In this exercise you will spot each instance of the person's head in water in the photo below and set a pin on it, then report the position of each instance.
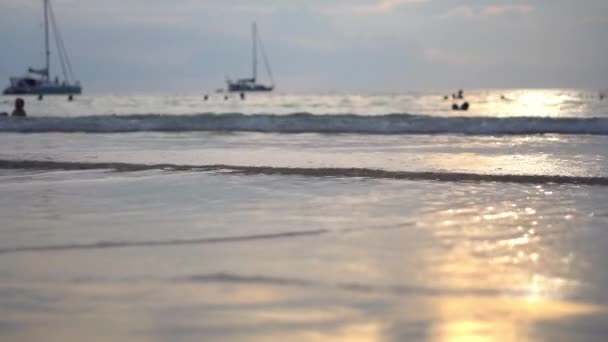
(19, 107)
(19, 103)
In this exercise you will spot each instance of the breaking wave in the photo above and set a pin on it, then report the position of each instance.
(438, 176)
(308, 123)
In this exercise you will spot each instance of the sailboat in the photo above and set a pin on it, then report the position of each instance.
(38, 81)
(250, 84)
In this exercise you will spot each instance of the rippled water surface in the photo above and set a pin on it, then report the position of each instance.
(523, 102)
(266, 236)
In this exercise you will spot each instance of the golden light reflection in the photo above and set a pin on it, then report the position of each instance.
(264, 306)
(498, 319)
(496, 248)
(514, 164)
(232, 295)
(537, 102)
(530, 103)
(262, 312)
(357, 332)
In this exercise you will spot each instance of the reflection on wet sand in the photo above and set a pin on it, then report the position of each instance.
(242, 308)
(396, 262)
(500, 246)
(498, 319)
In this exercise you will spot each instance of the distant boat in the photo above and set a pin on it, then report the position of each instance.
(250, 84)
(38, 81)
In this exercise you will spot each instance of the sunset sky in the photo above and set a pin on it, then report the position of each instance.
(318, 45)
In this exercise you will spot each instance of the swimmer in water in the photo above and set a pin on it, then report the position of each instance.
(19, 108)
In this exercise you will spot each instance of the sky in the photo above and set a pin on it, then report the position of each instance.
(317, 45)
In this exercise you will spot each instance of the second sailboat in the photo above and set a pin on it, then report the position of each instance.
(250, 84)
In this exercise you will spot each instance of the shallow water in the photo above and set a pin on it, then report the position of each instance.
(241, 236)
(172, 255)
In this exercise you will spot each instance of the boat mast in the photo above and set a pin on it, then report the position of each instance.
(254, 33)
(46, 40)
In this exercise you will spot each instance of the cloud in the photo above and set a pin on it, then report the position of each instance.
(378, 6)
(468, 11)
(385, 6)
(255, 8)
(498, 10)
(460, 11)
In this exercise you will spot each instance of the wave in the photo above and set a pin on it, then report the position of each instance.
(192, 241)
(438, 176)
(127, 244)
(399, 290)
(308, 123)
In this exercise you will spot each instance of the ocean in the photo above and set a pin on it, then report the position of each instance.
(306, 217)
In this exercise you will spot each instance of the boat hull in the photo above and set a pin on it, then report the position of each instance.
(44, 90)
(246, 88)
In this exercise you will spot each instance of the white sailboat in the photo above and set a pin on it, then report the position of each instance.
(250, 84)
(38, 81)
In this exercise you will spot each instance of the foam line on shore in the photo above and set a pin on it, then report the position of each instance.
(438, 176)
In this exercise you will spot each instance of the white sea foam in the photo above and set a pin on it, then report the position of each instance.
(308, 172)
(309, 123)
